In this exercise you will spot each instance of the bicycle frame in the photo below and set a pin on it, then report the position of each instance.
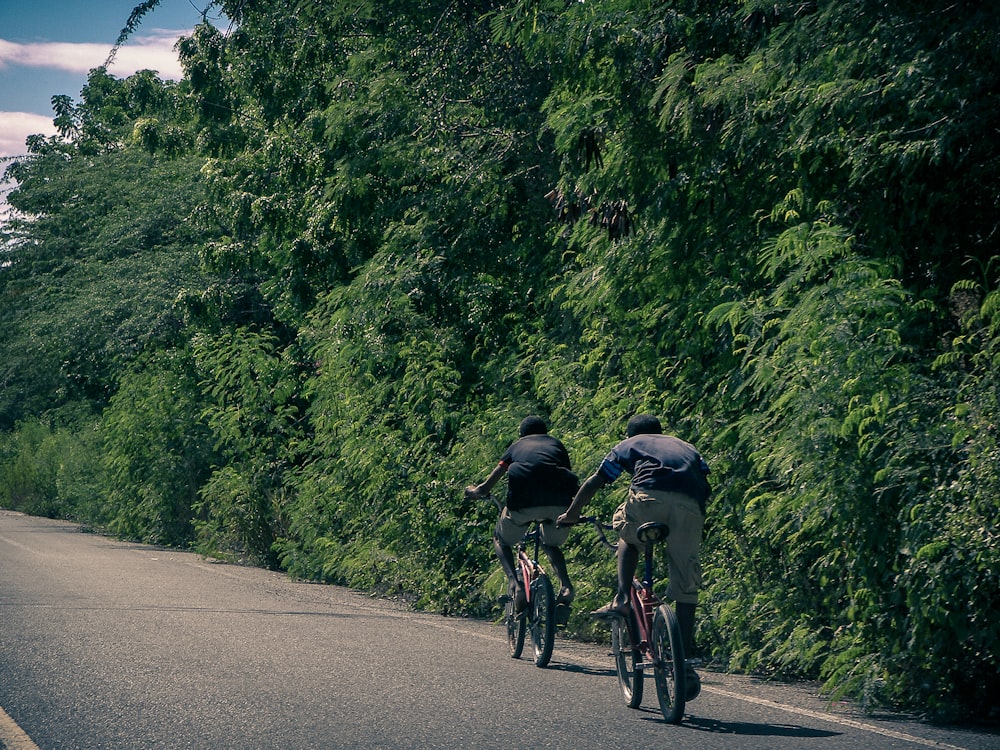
(644, 603)
(530, 567)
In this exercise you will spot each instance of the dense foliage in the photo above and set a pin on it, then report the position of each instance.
(284, 310)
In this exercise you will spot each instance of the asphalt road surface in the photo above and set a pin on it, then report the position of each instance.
(106, 644)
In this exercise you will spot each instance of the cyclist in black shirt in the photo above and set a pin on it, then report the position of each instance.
(540, 486)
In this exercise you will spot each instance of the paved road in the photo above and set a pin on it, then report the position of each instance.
(105, 644)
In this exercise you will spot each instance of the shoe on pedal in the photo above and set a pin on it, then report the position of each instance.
(562, 615)
(692, 683)
(610, 612)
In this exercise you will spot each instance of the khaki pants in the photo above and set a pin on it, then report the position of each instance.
(512, 525)
(683, 515)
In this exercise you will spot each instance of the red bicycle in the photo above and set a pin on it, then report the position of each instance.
(649, 636)
(539, 616)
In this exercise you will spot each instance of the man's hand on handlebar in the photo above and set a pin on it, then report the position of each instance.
(476, 492)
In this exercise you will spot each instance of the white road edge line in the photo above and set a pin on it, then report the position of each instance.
(12, 737)
(860, 725)
(819, 715)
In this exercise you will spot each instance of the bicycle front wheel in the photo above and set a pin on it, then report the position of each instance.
(668, 663)
(628, 661)
(516, 625)
(543, 619)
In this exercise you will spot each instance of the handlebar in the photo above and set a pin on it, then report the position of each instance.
(599, 527)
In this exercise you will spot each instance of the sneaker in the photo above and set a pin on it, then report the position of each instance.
(609, 612)
(692, 683)
(519, 597)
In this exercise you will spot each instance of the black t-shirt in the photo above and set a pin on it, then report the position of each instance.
(538, 473)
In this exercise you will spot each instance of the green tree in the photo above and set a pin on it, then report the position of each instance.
(103, 240)
(253, 417)
(51, 467)
(158, 450)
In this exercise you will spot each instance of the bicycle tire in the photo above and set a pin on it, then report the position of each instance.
(543, 619)
(516, 626)
(628, 660)
(667, 649)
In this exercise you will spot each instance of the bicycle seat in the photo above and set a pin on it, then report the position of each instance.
(652, 532)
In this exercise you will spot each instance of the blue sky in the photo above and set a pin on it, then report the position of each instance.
(47, 47)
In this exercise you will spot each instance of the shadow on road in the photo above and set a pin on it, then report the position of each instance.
(580, 669)
(749, 729)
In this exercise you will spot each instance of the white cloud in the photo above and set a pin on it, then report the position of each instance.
(154, 51)
(151, 52)
(15, 127)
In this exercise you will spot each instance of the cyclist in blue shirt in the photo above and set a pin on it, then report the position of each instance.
(669, 485)
(540, 485)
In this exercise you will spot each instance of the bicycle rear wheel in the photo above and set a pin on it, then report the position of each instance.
(668, 663)
(516, 625)
(627, 662)
(543, 619)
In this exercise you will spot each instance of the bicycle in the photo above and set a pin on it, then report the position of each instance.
(650, 635)
(539, 615)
